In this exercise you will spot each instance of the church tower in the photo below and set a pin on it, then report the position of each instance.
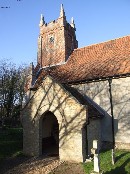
(56, 41)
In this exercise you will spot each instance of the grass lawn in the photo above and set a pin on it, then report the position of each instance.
(10, 142)
(122, 165)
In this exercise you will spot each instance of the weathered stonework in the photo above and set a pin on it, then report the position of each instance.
(56, 41)
(99, 92)
(68, 93)
(71, 116)
(94, 133)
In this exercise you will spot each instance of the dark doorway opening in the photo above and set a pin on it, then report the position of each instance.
(50, 135)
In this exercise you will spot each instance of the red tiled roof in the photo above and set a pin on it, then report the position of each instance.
(101, 60)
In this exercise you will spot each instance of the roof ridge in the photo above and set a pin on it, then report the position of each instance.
(77, 49)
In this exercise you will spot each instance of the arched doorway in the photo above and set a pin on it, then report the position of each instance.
(50, 134)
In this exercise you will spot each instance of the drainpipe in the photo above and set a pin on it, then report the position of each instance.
(112, 121)
(87, 123)
(86, 132)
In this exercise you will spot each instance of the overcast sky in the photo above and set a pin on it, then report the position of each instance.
(96, 21)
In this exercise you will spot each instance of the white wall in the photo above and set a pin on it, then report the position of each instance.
(99, 92)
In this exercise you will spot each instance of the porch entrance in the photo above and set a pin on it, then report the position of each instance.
(50, 135)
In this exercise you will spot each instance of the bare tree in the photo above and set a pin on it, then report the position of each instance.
(12, 81)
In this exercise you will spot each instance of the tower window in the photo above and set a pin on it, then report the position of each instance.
(52, 39)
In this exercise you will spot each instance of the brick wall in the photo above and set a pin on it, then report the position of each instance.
(56, 42)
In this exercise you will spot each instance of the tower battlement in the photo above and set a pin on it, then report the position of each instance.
(56, 40)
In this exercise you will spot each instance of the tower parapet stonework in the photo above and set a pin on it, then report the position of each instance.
(56, 41)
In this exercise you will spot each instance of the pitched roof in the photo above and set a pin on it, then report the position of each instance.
(107, 59)
(94, 110)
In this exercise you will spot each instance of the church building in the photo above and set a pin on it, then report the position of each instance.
(76, 95)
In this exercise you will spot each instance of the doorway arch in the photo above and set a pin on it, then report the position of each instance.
(50, 134)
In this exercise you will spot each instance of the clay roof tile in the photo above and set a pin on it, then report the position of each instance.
(105, 59)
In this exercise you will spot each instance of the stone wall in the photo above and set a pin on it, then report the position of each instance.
(93, 133)
(71, 116)
(99, 92)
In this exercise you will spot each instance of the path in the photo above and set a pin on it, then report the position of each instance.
(34, 165)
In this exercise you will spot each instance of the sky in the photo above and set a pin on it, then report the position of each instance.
(96, 21)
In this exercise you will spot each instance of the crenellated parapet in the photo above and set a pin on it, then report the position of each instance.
(56, 40)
